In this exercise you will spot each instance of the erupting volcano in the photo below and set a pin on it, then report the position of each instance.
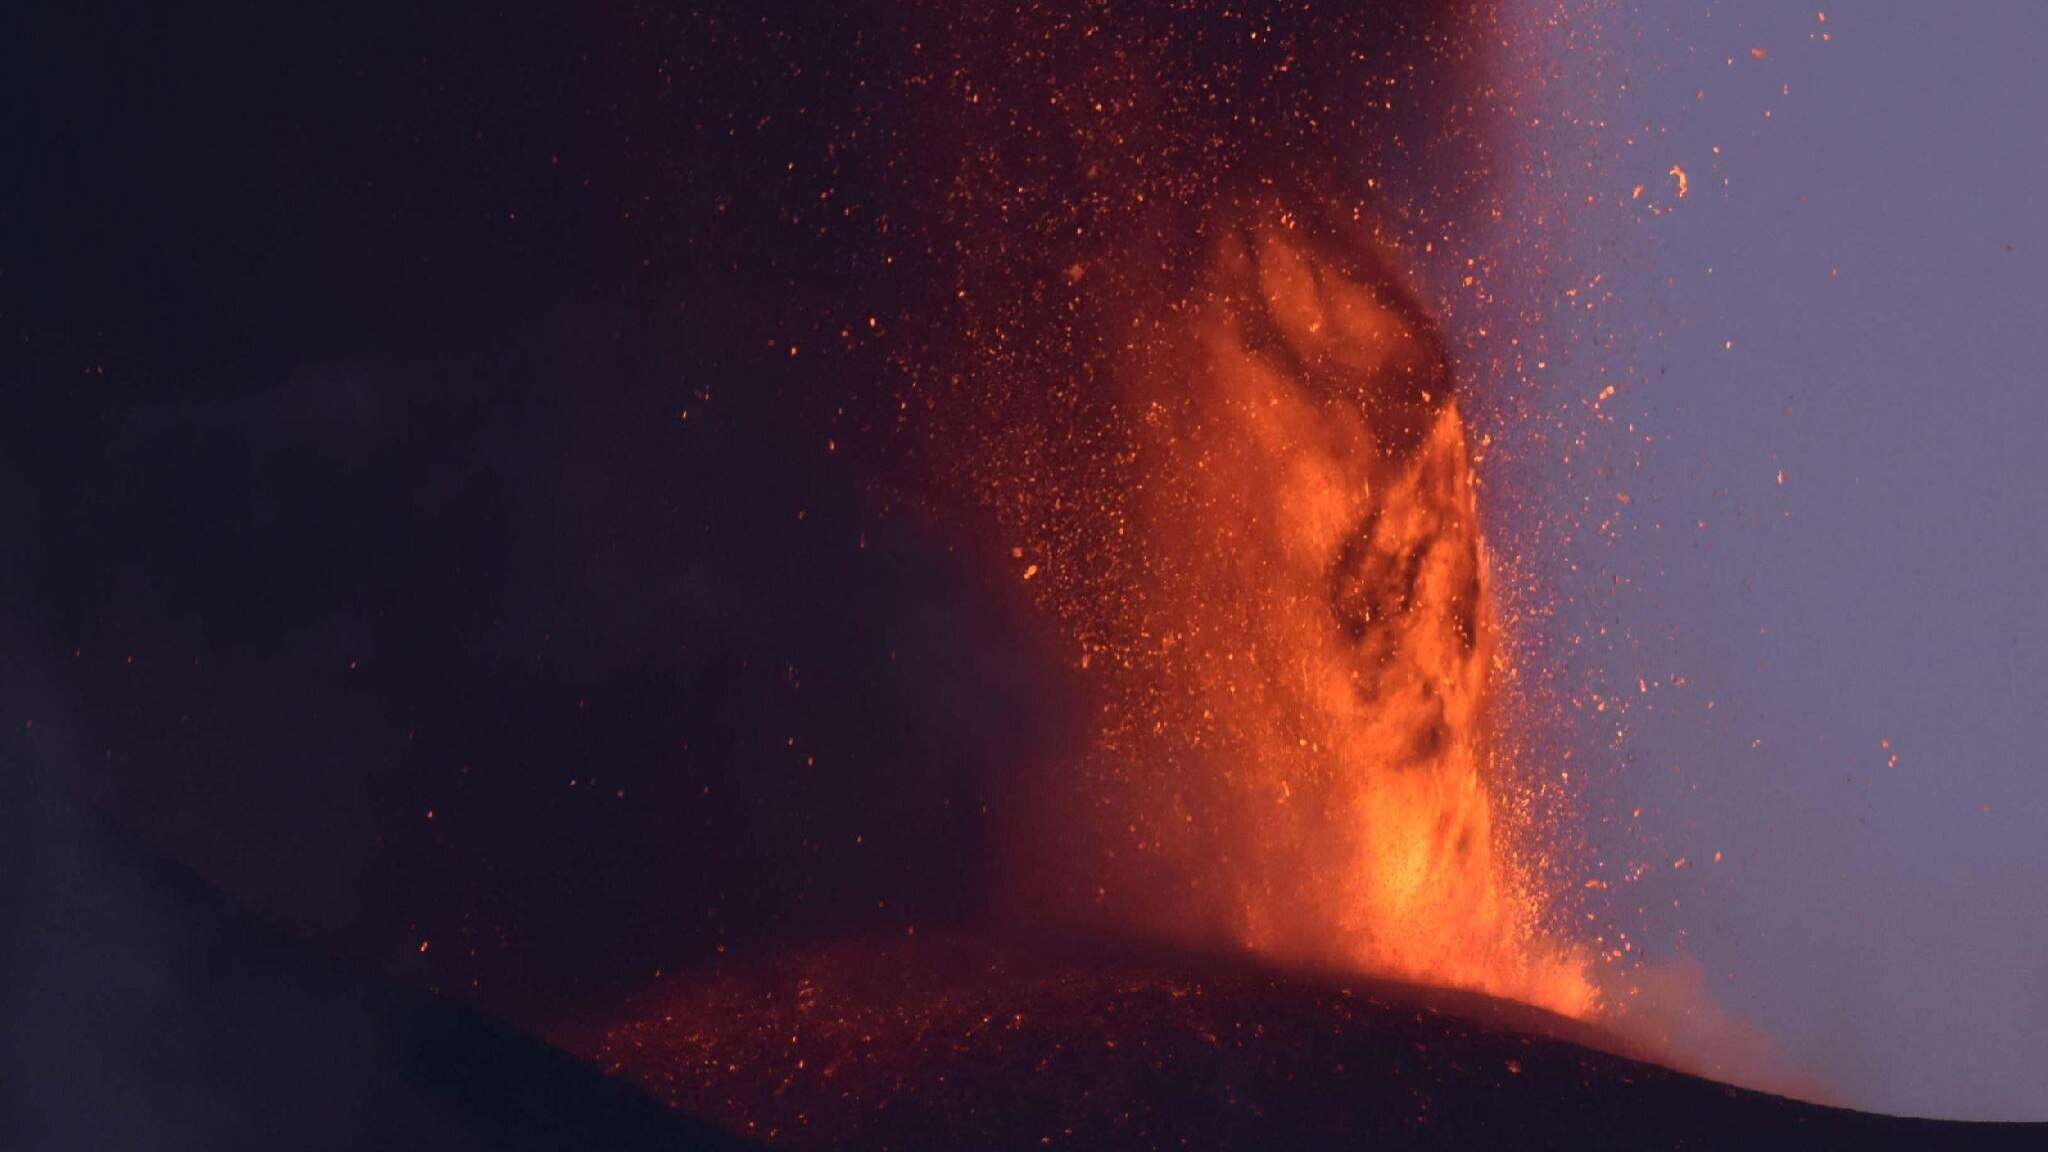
(1294, 756)
(927, 574)
(1180, 387)
(1282, 607)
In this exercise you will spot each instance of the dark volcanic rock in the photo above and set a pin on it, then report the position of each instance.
(951, 1043)
(145, 1010)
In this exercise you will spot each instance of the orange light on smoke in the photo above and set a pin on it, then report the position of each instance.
(1296, 754)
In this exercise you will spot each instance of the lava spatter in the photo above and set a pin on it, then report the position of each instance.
(1295, 756)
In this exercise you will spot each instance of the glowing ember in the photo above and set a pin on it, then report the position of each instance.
(1178, 359)
(1296, 750)
(1144, 309)
(946, 1043)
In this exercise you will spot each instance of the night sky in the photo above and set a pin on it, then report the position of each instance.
(429, 559)
(456, 508)
(1836, 536)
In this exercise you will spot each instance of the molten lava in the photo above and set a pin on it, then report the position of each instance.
(1295, 756)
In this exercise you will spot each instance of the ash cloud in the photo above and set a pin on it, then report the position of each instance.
(358, 521)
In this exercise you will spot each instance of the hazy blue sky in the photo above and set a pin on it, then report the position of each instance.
(1875, 261)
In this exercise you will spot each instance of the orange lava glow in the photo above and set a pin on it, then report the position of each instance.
(1295, 755)
(1188, 315)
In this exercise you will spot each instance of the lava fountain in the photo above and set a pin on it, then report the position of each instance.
(1160, 329)
(1295, 756)
(1131, 303)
